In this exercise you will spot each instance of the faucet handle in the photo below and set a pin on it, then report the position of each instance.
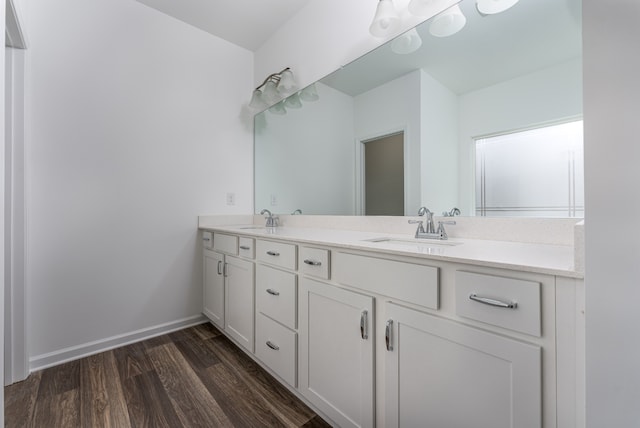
(420, 224)
(441, 231)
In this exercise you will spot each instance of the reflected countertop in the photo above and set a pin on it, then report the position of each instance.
(527, 257)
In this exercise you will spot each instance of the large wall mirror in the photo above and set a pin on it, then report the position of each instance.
(487, 120)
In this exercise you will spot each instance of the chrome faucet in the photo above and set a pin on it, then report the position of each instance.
(271, 220)
(429, 231)
(454, 212)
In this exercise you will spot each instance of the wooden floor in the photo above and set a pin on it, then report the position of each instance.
(191, 378)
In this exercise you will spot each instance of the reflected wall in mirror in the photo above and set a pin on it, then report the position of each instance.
(514, 71)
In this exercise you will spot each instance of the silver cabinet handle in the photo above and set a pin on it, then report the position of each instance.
(272, 345)
(493, 302)
(225, 270)
(219, 267)
(244, 247)
(273, 253)
(363, 325)
(206, 239)
(312, 262)
(387, 335)
(273, 292)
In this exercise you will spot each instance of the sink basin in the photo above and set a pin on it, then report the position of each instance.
(420, 243)
(252, 227)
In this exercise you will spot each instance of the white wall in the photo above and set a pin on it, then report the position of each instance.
(317, 135)
(548, 95)
(387, 109)
(134, 130)
(612, 156)
(439, 148)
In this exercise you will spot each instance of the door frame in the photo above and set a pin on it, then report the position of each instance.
(359, 145)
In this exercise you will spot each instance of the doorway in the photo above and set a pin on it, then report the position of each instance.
(383, 171)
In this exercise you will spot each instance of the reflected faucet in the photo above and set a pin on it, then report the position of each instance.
(454, 212)
(271, 220)
(298, 211)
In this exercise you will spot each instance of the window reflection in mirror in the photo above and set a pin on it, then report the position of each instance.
(531, 173)
(500, 72)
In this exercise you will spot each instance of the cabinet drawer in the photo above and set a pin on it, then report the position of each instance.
(276, 253)
(314, 262)
(246, 248)
(276, 295)
(510, 303)
(409, 282)
(276, 347)
(225, 243)
(207, 240)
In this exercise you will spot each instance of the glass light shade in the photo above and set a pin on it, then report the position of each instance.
(448, 22)
(256, 100)
(287, 82)
(490, 7)
(293, 101)
(270, 93)
(386, 19)
(407, 42)
(278, 108)
(309, 93)
(424, 7)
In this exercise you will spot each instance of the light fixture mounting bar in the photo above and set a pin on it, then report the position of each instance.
(275, 76)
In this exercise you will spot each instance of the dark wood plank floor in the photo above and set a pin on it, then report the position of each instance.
(190, 378)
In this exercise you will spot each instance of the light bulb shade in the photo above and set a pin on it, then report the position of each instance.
(293, 101)
(287, 83)
(278, 108)
(386, 19)
(448, 22)
(407, 42)
(270, 93)
(309, 93)
(256, 100)
(490, 7)
(425, 7)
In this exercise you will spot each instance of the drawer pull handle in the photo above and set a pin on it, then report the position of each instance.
(273, 253)
(245, 247)
(272, 345)
(387, 335)
(273, 292)
(206, 239)
(363, 325)
(493, 302)
(219, 267)
(312, 262)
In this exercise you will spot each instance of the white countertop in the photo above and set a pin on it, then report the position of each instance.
(526, 257)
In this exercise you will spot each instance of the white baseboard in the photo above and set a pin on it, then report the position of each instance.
(54, 358)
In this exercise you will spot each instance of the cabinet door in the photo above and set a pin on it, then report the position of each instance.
(443, 374)
(336, 352)
(213, 307)
(239, 292)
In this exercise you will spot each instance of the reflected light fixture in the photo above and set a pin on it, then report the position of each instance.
(278, 108)
(448, 22)
(490, 7)
(293, 101)
(274, 87)
(309, 93)
(407, 42)
(386, 20)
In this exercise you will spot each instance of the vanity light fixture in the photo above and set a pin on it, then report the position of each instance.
(274, 87)
(490, 7)
(386, 20)
(448, 22)
(309, 93)
(407, 42)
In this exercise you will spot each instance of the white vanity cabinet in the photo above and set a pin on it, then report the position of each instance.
(228, 299)
(442, 374)
(370, 338)
(337, 352)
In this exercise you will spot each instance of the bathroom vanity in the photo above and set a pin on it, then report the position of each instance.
(376, 329)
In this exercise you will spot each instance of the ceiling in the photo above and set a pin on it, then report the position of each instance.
(246, 23)
(530, 36)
